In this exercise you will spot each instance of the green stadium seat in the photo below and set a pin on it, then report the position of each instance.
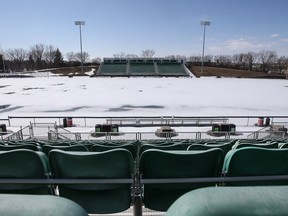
(261, 145)
(255, 161)
(240, 201)
(284, 146)
(78, 147)
(224, 147)
(36, 205)
(20, 146)
(159, 164)
(163, 147)
(100, 148)
(94, 198)
(24, 164)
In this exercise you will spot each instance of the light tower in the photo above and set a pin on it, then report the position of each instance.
(204, 23)
(80, 23)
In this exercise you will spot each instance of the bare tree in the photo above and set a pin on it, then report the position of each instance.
(85, 56)
(249, 59)
(267, 58)
(37, 52)
(223, 60)
(120, 55)
(2, 60)
(96, 60)
(195, 59)
(131, 56)
(49, 55)
(148, 53)
(71, 56)
(239, 60)
(17, 57)
(282, 63)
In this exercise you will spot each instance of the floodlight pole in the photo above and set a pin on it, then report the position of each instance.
(204, 24)
(80, 23)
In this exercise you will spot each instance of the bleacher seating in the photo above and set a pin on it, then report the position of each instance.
(113, 70)
(142, 67)
(171, 69)
(154, 164)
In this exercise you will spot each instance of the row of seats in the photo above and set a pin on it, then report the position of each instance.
(137, 148)
(142, 69)
(153, 177)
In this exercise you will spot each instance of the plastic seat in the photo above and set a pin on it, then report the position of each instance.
(254, 161)
(159, 164)
(47, 148)
(24, 164)
(225, 147)
(20, 146)
(284, 146)
(240, 201)
(261, 145)
(94, 198)
(35, 205)
(100, 148)
(145, 147)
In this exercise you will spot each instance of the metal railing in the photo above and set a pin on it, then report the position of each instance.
(170, 136)
(144, 121)
(86, 121)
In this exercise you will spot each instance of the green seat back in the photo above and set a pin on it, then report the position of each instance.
(240, 201)
(254, 161)
(159, 164)
(145, 147)
(20, 146)
(100, 148)
(95, 198)
(24, 164)
(35, 205)
(262, 145)
(78, 147)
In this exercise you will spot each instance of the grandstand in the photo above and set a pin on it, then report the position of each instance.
(157, 67)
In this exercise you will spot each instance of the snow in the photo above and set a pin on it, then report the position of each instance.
(85, 96)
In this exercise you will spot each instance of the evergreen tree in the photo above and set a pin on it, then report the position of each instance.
(58, 60)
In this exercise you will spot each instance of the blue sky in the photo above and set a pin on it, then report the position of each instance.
(170, 27)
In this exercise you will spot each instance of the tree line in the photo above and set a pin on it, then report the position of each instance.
(39, 56)
(264, 61)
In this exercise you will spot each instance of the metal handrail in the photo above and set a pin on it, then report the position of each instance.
(222, 179)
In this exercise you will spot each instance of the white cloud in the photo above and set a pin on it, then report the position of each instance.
(238, 45)
(274, 35)
(284, 40)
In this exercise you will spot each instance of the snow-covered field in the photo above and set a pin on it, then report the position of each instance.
(84, 96)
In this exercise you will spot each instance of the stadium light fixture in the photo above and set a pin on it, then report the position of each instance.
(80, 23)
(204, 24)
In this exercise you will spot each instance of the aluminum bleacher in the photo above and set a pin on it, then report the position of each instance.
(142, 67)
